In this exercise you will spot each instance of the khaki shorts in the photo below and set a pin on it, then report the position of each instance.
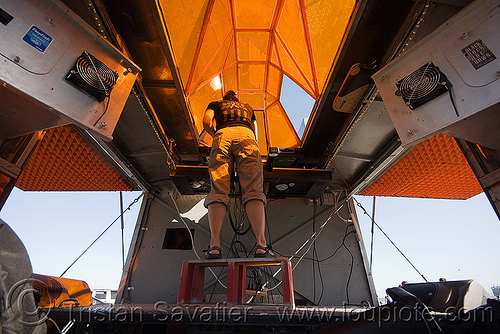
(230, 146)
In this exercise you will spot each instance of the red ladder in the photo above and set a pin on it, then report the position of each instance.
(193, 279)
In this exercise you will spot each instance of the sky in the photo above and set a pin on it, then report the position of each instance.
(454, 239)
(297, 103)
(56, 227)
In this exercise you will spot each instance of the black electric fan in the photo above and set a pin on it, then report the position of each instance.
(92, 76)
(422, 85)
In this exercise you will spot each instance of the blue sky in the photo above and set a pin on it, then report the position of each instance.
(297, 103)
(455, 239)
(56, 227)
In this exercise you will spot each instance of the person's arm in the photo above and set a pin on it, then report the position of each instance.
(208, 122)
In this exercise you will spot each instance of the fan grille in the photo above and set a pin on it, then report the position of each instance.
(95, 72)
(422, 85)
(92, 76)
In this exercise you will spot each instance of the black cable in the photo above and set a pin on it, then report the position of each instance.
(342, 244)
(105, 111)
(448, 85)
(269, 238)
(322, 284)
(234, 222)
(350, 273)
(315, 259)
(329, 256)
(233, 248)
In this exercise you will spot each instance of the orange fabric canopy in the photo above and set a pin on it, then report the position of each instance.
(247, 46)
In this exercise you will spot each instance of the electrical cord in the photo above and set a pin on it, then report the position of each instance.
(105, 111)
(342, 244)
(268, 229)
(238, 229)
(350, 272)
(311, 240)
(449, 86)
(322, 284)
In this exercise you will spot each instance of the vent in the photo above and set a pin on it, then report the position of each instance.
(92, 76)
(422, 86)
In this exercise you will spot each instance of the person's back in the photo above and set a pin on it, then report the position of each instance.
(232, 125)
(232, 113)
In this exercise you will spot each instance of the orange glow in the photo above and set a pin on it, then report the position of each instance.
(251, 45)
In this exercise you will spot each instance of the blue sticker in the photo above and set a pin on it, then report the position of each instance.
(37, 39)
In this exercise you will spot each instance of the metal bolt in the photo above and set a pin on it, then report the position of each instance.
(17, 59)
(410, 132)
(465, 35)
(497, 74)
(103, 125)
(50, 21)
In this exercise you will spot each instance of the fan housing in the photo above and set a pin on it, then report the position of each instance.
(92, 76)
(422, 85)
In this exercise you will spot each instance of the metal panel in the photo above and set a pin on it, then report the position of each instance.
(152, 274)
(473, 89)
(38, 47)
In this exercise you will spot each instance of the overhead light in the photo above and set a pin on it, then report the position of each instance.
(216, 83)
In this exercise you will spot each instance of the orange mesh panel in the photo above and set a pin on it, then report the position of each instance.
(256, 100)
(251, 76)
(273, 81)
(240, 39)
(261, 132)
(295, 40)
(436, 168)
(64, 161)
(252, 45)
(255, 14)
(281, 132)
